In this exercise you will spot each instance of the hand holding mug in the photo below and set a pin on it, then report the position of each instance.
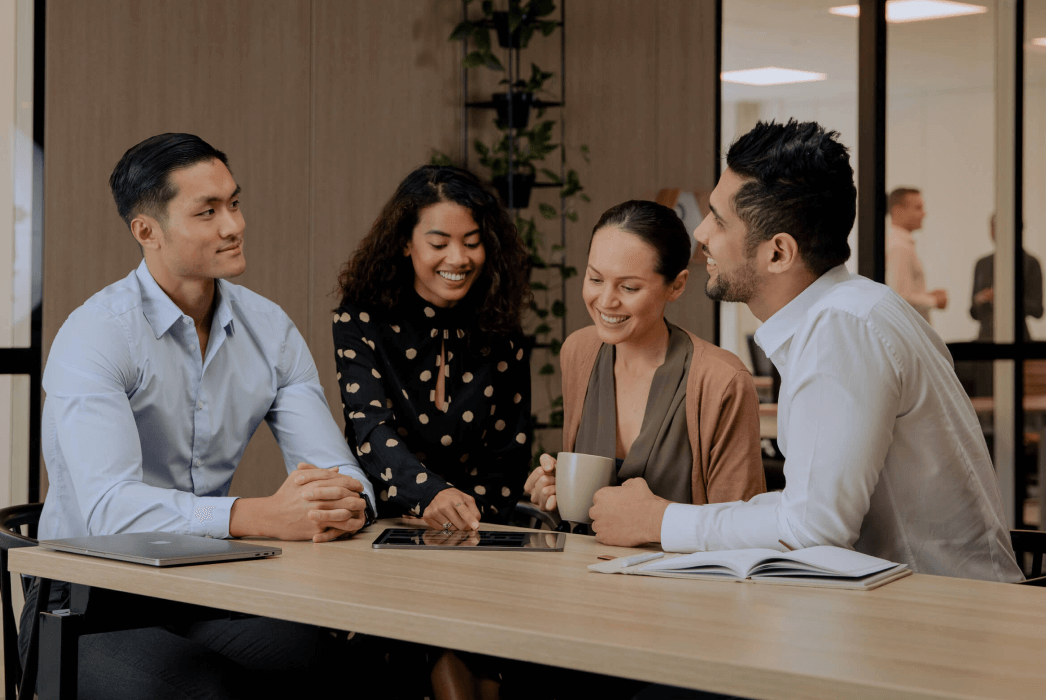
(541, 484)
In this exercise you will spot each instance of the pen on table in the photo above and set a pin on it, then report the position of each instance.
(634, 559)
(785, 545)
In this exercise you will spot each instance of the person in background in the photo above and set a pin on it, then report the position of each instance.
(154, 388)
(434, 379)
(884, 453)
(983, 303)
(904, 270)
(674, 411)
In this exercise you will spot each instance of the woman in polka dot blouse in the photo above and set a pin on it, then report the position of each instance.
(434, 380)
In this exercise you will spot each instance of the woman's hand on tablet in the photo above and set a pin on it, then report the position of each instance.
(452, 510)
(541, 484)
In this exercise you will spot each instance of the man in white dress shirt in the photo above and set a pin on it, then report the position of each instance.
(883, 450)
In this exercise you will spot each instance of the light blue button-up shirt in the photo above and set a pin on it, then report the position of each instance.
(141, 433)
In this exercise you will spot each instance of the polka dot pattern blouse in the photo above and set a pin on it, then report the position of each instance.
(388, 363)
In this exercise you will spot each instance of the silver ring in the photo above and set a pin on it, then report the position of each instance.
(458, 504)
(446, 526)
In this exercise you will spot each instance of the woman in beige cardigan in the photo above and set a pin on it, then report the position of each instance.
(671, 408)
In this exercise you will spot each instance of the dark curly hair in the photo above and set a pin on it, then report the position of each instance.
(378, 272)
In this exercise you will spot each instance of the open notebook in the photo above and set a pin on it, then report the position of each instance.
(823, 567)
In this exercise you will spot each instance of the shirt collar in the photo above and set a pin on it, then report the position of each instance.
(162, 313)
(900, 235)
(780, 327)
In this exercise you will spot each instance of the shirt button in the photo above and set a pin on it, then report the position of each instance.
(193, 346)
(196, 462)
(186, 320)
(199, 406)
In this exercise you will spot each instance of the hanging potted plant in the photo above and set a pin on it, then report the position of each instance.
(514, 180)
(514, 28)
(522, 96)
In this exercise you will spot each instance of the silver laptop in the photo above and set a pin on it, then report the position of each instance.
(161, 548)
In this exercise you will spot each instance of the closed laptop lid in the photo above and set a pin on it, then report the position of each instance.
(161, 548)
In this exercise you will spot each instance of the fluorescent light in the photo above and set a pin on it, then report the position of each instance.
(771, 76)
(899, 11)
(1041, 41)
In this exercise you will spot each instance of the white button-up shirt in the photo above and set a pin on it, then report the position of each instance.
(884, 453)
(142, 433)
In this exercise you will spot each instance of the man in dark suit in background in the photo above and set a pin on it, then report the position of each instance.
(983, 304)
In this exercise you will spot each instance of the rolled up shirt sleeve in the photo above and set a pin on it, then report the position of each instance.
(91, 371)
(843, 407)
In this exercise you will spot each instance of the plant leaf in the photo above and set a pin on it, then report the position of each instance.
(584, 197)
(547, 27)
(559, 309)
(515, 17)
(541, 313)
(547, 369)
(488, 7)
(557, 247)
(544, 327)
(481, 148)
(540, 8)
(474, 59)
(547, 210)
(553, 177)
(462, 31)
(539, 287)
(440, 158)
(568, 272)
(493, 63)
(555, 345)
(555, 420)
(572, 216)
(482, 39)
(557, 402)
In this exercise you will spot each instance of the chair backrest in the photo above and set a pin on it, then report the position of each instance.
(1031, 542)
(11, 537)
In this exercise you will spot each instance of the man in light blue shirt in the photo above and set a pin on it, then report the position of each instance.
(154, 388)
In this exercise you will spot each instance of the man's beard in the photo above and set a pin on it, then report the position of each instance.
(740, 286)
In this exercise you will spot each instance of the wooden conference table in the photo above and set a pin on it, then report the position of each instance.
(919, 637)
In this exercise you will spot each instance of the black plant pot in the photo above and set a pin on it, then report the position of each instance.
(506, 41)
(522, 184)
(520, 104)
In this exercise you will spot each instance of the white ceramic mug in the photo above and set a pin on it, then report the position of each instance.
(578, 477)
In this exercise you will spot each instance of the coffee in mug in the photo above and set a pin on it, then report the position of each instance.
(578, 477)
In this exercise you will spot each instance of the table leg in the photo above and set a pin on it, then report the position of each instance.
(59, 650)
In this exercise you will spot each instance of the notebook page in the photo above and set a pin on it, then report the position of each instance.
(833, 561)
(738, 561)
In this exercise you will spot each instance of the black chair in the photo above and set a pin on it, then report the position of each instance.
(1031, 542)
(11, 522)
(526, 514)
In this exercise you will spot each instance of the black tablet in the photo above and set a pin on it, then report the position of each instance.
(476, 540)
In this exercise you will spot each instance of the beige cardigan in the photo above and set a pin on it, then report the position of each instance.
(722, 415)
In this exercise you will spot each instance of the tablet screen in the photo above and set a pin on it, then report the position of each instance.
(498, 540)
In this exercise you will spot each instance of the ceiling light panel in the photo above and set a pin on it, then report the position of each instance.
(900, 11)
(771, 75)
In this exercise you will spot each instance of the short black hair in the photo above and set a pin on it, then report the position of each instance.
(657, 226)
(800, 182)
(141, 181)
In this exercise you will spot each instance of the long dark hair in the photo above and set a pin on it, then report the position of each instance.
(378, 272)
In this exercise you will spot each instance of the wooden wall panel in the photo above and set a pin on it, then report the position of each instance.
(234, 72)
(640, 82)
(687, 147)
(386, 92)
